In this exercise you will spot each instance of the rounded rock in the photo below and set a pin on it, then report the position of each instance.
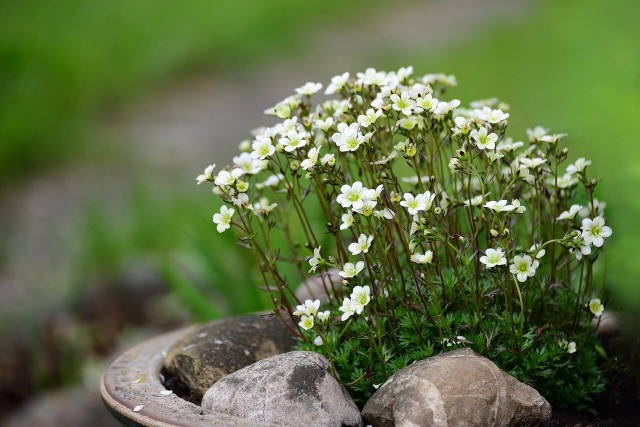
(289, 389)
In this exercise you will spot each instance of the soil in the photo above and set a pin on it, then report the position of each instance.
(618, 406)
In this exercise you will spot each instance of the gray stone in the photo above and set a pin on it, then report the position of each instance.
(290, 389)
(214, 350)
(458, 388)
(314, 287)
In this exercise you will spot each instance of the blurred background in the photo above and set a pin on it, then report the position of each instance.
(109, 110)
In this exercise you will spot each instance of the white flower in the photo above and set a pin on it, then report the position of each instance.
(407, 123)
(474, 201)
(385, 159)
(594, 231)
(552, 139)
(223, 219)
(207, 175)
(565, 181)
(531, 163)
(369, 118)
(578, 166)
(500, 206)
(317, 341)
(582, 248)
(324, 316)
(484, 141)
(517, 207)
(508, 145)
(309, 88)
(347, 308)
(348, 137)
(263, 207)
(454, 164)
(596, 307)
(262, 148)
(306, 322)
(324, 125)
(425, 258)
(443, 108)
(226, 178)
(570, 347)
(386, 213)
(493, 116)
(249, 164)
(493, 257)
(421, 202)
(372, 77)
(328, 159)
(242, 201)
(536, 251)
(403, 103)
(294, 140)
(337, 83)
(352, 195)
(536, 133)
(347, 221)
(309, 308)
(350, 270)
(493, 156)
(312, 158)
(366, 208)
(523, 267)
(360, 297)
(444, 79)
(426, 103)
(316, 260)
(271, 181)
(362, 245)
(570, 214)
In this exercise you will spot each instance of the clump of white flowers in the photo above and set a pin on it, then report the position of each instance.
(422, 218)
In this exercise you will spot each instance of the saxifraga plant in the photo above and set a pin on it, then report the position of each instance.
(428, 229)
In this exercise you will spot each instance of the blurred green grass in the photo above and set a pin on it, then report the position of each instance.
(572, 66)
(62, 62)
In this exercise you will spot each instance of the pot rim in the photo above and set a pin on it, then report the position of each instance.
(133, 379)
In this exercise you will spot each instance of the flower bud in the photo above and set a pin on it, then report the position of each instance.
(245, 146)
(242, 186)
(494, 233)
(506, 232)
(309, 175)
(294, 165)
(395, 197)
(438, 211)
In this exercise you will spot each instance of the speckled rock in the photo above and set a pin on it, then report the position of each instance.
(458, 388)
(290, 389)
(214, 350)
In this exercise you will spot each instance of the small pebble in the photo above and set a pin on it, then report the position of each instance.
(138, 408)
(166, 392)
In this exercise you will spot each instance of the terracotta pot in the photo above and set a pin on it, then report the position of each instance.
(132, 390)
